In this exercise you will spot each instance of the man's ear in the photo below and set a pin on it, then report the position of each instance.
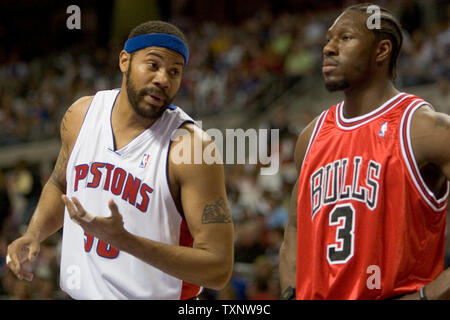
(383, 51)
(124, 61)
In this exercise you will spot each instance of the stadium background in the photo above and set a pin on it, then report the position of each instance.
(254, 64)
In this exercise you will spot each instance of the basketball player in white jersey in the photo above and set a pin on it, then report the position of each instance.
(136, 223)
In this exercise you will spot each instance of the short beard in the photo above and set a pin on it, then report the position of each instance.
(337, 85)
(134, 97)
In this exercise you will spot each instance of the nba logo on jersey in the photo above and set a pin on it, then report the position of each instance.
(144, 160)
(383, 130)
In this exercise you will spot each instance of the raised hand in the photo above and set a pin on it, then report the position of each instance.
(109, 229)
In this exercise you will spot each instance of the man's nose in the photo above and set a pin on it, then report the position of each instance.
(330, 48)
(161, 78)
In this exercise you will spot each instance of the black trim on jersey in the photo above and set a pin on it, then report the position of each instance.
(110, 124)
(361, 196)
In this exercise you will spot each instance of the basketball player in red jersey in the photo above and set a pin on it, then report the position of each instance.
(367, 216)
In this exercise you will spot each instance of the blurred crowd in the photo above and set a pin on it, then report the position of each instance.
(231, 67)
(20, 188)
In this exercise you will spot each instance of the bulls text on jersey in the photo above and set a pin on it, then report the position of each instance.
(117, 181)
(336, 182)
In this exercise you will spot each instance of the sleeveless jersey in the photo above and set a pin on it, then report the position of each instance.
(368, 226)
(135, 177)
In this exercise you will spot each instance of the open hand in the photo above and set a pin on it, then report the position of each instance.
(21, 252)
(109, 229)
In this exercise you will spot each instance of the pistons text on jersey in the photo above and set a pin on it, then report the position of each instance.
(116, 180)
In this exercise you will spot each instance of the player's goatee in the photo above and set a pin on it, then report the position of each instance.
(135, 96)
(333, 86)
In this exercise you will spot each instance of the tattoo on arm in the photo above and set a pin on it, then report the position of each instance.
(64, 120)
(59, 172)
(216, 212)
(58, 176)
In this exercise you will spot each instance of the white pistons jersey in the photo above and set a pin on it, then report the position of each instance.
(135, 177)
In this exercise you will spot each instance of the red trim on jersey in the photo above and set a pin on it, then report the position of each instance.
(188, 290)
(436, 205)
(350, 123)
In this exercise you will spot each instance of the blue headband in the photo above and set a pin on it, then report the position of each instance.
(158, 40)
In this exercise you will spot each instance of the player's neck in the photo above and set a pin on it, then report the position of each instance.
(125, 123)
(364, 99)
(126, 116)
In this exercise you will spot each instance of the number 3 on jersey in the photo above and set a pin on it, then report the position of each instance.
(104, 249)
(343, 216)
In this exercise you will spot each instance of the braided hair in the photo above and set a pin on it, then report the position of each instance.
(389, 29)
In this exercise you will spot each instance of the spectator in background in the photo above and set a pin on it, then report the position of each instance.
(249, 244)
(277, 215)
(261, 287)
(418, 60)
(47, 268)
(26, 188)
(274, 239)
(232, 67)
(300, 61)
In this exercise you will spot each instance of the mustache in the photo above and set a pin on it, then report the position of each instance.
(330, 59)
(154, 91)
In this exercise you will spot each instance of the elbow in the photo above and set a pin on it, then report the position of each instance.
(219, 282)
(222, 275)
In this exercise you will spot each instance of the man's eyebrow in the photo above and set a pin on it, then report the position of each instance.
(151, 53)
(154, 54)
(343, 29)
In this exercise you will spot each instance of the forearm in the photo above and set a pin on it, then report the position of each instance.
(288, 249)
(439, 289)
(194, 265)
(48, 216)
(288, 265)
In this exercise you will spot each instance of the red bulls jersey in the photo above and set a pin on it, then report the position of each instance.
(368, 225)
